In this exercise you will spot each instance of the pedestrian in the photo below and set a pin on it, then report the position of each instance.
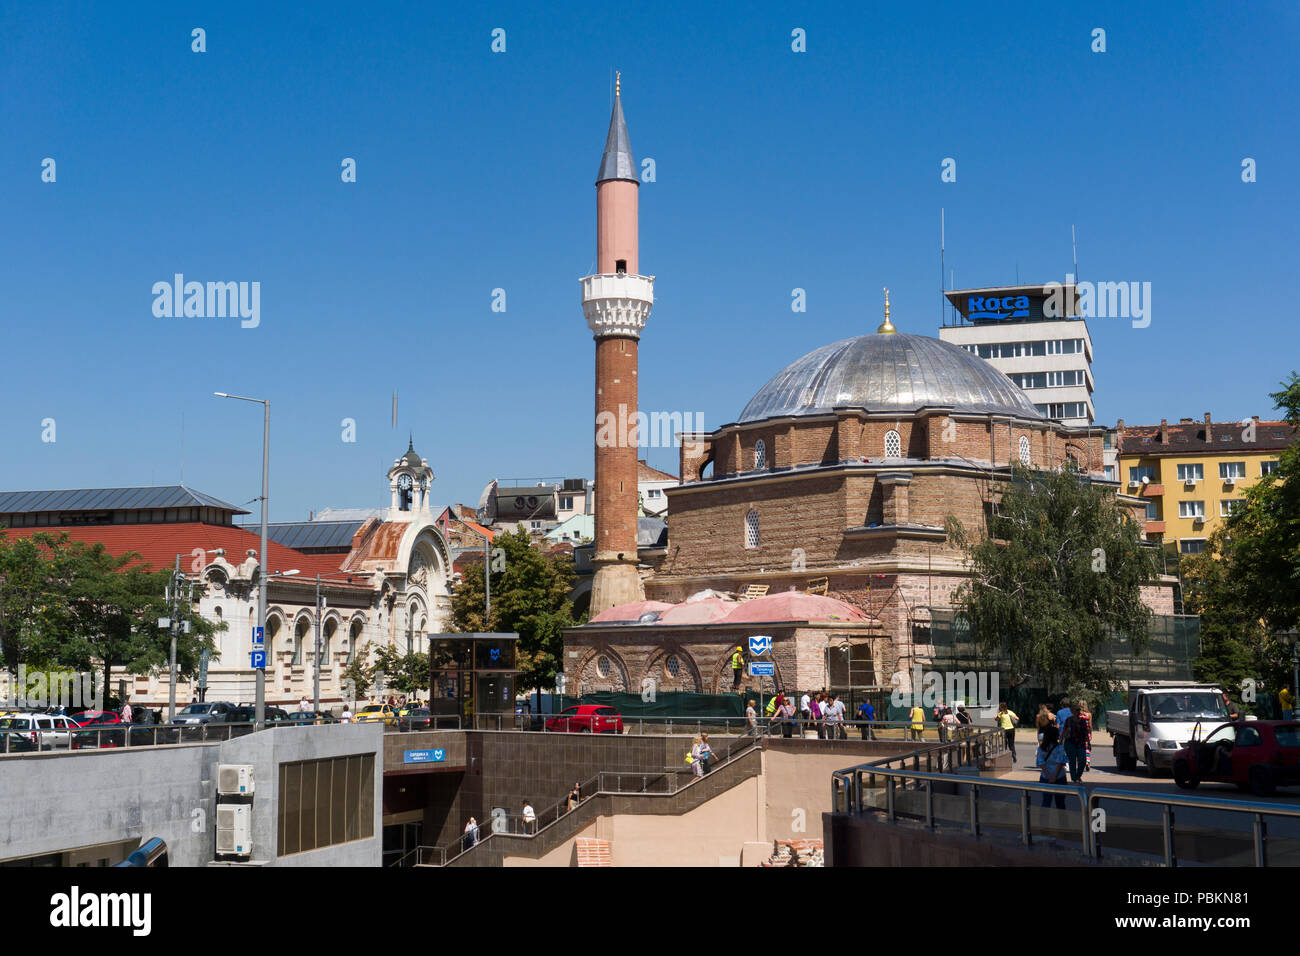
(1053, 760)
(737, 668)
(530, 818)
(804, 706)
(1086, 714)
(751, 718)
(700, 753)
(127, 712)
(1230, 708)
(1042, 719)
(1074, 738)
(304, 704)
(964, 720)
(1288, 703)
(948, 723)
(471, 834)
(917, 729)
(831, 717)
(574, 798)
(1063, 714)
(347, 714)
(1007, 720)
(815, 716)
(867, 714)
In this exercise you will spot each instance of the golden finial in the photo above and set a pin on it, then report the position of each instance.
(618, 81)
(886, 327)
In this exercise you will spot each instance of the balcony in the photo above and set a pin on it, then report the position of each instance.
(1152, 491)
(617, 304)
(1155, 527)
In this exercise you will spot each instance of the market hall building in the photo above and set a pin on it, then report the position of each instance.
(836, 480)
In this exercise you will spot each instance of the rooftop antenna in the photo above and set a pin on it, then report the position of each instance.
(1074, 248)
(182, 449)
(394, 408)
(943, 315)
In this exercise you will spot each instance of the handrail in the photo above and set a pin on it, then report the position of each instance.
(847, 789)
(743, 746)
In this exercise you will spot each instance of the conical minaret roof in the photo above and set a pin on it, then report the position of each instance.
(617, 161)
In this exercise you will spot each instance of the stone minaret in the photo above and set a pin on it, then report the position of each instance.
(616, 302)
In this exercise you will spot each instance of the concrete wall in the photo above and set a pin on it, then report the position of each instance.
(50, 803)
(268, 750)
(709, 835)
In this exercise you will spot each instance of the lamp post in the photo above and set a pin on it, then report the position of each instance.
(263, 555)
(1292, 637)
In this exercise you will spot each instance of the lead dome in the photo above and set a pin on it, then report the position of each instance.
(888, 372)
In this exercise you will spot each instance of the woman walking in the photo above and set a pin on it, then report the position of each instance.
(1007, 720)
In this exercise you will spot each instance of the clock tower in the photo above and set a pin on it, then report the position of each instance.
(409, 481)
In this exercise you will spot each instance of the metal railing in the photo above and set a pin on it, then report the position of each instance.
(850, 787)
(665, 783)
(112, 736)
(668, 726)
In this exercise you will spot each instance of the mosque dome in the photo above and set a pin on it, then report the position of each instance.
(888, 372)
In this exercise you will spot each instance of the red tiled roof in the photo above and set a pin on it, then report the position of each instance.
(158, 544)
(1189, 438)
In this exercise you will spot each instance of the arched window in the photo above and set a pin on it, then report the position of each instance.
(1024, 450)
(673, 665)
(354, 635)
(272, 632)
(751, 529)
(760, 454)
(893, 444)
(300, 638)
(327, 634)
(602, 666)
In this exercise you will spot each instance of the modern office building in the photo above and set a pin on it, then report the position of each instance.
(1193, 474)
(1034, 337)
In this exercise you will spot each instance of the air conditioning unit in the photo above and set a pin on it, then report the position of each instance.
(1230, 481)
(1198, 519)
(235, 829)
(234, 779)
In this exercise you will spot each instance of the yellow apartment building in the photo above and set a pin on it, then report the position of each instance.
(1194, 473)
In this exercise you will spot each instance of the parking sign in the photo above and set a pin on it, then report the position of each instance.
(258, 660)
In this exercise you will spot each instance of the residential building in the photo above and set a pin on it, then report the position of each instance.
(1193, 474)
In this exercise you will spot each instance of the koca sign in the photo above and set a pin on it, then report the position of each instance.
(992, 307)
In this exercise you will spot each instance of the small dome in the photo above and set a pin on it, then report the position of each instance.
(891, 372)
(412, 457)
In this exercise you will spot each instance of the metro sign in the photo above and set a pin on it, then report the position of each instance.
(992, 307)
(759, 645)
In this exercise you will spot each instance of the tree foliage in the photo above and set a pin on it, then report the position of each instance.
(529, 596)
(1245, 585)
(1059, 574)
(71, 605)
(404, 673)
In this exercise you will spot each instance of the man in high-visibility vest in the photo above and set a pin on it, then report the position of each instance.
(737, 667)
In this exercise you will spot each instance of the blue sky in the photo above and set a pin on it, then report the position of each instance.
(775, 170)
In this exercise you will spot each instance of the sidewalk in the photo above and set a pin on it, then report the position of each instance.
(1027, 743)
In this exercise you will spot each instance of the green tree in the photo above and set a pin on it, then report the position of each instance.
(1059, 574)
(405, 673)
(357, 676)
(529, 597)
(31, 603)
(1245, 585)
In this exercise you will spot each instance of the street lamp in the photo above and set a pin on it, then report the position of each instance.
(1292, 637)
(263, 555)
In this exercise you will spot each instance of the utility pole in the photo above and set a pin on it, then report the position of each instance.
(174, 600)
(316, 656)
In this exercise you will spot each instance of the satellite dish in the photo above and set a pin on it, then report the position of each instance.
(1146, 479)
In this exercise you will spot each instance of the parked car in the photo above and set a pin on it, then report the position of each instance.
(14, 742)
(1259, 755)
(374, 712)
(247, 714)
(47, 731)
(586, 719)
(417, 718)
(213, 712)
(84, 717)
(311, 717)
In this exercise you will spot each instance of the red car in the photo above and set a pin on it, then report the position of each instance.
(87, 717)
(1259, 755)
(587, 719)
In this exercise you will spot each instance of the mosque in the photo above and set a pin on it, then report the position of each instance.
(834, 483)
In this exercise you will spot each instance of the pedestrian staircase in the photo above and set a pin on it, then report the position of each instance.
(593, 852)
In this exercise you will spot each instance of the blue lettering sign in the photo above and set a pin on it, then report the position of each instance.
(993, 307)
(425, 756)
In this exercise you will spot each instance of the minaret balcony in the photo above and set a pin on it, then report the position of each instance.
(617, 303)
